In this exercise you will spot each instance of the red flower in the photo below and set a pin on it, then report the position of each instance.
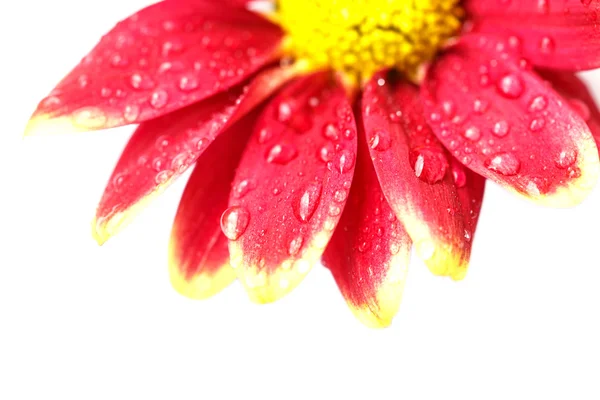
(348, 143)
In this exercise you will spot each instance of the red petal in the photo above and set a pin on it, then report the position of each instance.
(298, 166)
(561, 34)
(429, 206)
(199, 256)
(470, 188)
(167, 56)
(162, 149)
(508, 125)
(369, 252)
(575, 91)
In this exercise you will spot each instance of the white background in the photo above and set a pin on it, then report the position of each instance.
(82, 322)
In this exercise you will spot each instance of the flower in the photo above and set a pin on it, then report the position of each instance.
(337, 130)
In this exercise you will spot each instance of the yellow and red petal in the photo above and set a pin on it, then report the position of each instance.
(413, 170)
(162, 149)
(559, 34)
(198, 250)
(577, 94)
(167, 56)
(369, 252)
(291, 186)
(500, 119)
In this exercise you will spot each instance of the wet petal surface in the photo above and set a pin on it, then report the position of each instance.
(198, 250)
(296, 173)
(414, 174)
(162, 149)
(508, 125)
(561, 34)
(165, 57)
(369, 252)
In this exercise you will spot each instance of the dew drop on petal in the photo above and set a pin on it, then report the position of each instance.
(345, 161)
(89, 118)
(281, 154)
(306, 203)
(159, 98)
(538, 103)
(131, 113)
(234, 222)
(501, 128)
(295, 245)
(504, 163)
(331, 132)
(566, 158)
(510, 86)
(380, 141)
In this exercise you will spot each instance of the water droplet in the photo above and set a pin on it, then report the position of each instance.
(188, 83)
(334, 210)
(89, 118)
(566, 158)
(538, 103)
(295, 245)
(380, 141)
(159, 98)
(306, 204)
(243, 188)
(504, 163)
(141, 82)
(326, 153)
(473, 133)
(537, 124)
(331, 132)
(264, 135)
(131, 113)
(284, 112)
(501, 128)
(345, 161)
(364, 246)
(234, 222)
(480, 106)
(162, 177)
(547, 45)
(510, 86)
(281, 154)
(430, 164)
(340, 195)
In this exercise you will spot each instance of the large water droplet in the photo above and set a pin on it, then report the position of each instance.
(295, 245)
(538, 103)
(380, 141)
(234, 222)
(131, 113)
(345, 161)
(331, 132)
(504, 163)
(305, 205)
(566, 158)
(501, 128)
(243, 188)
(141, 82)
(281, 154)
(159, 98)
(511, 86)
(430, 164)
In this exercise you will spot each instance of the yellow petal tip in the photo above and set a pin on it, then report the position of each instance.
(202, 285)
(41, 125)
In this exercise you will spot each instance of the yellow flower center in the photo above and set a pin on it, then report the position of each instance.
(361, 37)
